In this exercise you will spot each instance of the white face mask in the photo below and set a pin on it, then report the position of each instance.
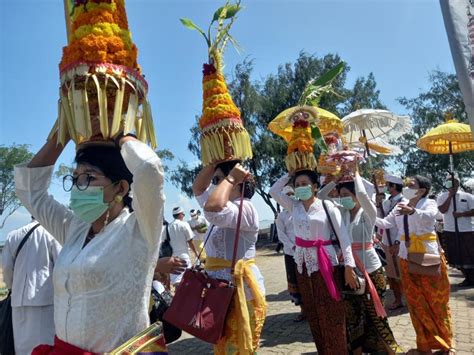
(409, 193)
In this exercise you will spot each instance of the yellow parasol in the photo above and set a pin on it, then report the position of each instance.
(325, 120)
(448, 138)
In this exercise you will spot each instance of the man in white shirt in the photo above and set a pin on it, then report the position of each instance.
(393, 187)
(181, 237)
(199, 227)
(29, 277)
(286, 236)
(461, 244)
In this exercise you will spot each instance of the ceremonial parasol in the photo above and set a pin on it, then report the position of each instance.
(448, 138)
(371, 127)
(367, 125)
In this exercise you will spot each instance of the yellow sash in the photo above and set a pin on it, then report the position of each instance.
(243, 271)
(416, 242)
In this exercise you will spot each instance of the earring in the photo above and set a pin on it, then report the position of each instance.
(118, 198)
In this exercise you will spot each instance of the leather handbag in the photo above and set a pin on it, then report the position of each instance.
(201, 303)
(346, 290)
(421, 263)
(6, 326)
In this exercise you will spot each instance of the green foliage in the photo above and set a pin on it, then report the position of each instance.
(260, 102)
(166, 156)
(317, 87)
(9, 157)
(364, 94)
(427, 111)
(216, 44)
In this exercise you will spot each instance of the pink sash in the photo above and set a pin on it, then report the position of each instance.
(325, 265)
(379, 308)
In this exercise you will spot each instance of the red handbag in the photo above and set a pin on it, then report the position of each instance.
(201, 303)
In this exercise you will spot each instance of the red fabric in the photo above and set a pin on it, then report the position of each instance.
(60, 348)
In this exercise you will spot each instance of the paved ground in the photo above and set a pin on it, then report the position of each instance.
(282, 336)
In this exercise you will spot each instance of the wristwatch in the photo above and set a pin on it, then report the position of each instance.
(397, 242)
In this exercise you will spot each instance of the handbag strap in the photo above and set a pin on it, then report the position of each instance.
(237, 230)
(406, 229)
(204, 245)
(330, 222)
(24, 240)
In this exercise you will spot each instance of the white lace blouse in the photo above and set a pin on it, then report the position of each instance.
(221, 241)
(102, 291)
(313, 225)
(361, 228)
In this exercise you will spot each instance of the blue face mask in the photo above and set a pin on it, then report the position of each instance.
(449, 184)
(88, 205)
(303, 193)
(347, 203)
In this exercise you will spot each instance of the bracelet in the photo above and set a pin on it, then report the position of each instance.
(230, 179)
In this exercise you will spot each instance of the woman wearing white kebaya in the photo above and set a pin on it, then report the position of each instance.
(103, 275)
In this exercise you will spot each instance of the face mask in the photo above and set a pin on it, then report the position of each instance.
(89, 204)
(195, 217)
(385, 190)
(410, 193)
(303, 193)
(347, 203)
(449, 184)
(335, 200)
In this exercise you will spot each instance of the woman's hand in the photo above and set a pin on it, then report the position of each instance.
(350, 278)
(404, 210)
(239, 173)
(171, 265)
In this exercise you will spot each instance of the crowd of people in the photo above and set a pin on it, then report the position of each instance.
(106, 246)
(338, 220)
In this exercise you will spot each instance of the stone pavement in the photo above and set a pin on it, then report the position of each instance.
(282, 336)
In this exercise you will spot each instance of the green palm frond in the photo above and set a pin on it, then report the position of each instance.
(317, 87)
(224, 17)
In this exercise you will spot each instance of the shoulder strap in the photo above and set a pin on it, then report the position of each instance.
(204, 245)
(237, 230)
(405, 227)
(25, 238)
(330, 221)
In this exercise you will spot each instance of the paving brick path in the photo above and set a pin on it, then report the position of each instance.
(282, 336)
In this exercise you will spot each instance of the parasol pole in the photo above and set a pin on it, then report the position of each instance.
(374, 180)
(451, 168)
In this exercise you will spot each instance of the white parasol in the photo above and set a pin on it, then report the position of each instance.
(373, 124)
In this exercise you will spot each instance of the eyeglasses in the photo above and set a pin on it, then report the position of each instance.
(81, 181)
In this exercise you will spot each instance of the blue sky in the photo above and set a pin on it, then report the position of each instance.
(399, 41)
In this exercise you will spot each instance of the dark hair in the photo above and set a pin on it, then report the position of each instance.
(109, 160)
(175, 216)
(349, 185)
(397, 187)
(423, 183)
(249, 186)
(311, 174)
